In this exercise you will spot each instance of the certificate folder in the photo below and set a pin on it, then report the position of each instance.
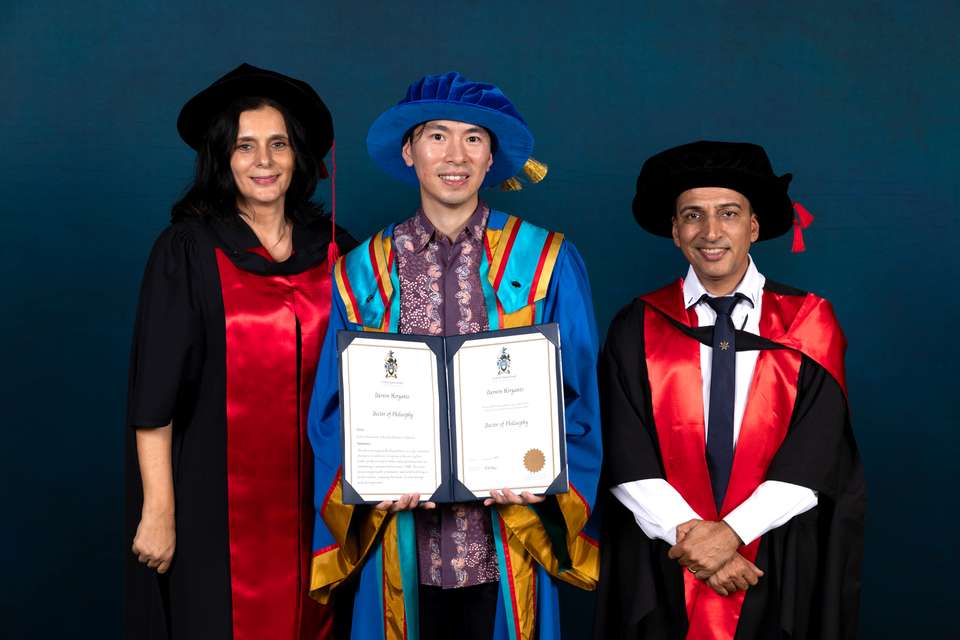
(451, 417)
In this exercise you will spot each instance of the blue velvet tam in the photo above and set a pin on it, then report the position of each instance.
(450, 96)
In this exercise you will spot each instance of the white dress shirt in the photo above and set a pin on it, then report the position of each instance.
(656, 505)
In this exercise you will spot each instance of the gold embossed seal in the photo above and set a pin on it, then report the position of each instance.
(533, 460)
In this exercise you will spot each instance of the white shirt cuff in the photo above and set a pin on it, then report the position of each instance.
(657, 507)
(771, 505)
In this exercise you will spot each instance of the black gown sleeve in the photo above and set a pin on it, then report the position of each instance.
(168, 332)
(629, 447)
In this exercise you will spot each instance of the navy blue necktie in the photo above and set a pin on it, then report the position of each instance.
(723, 387)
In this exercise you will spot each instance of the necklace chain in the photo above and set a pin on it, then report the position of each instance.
(284, 228)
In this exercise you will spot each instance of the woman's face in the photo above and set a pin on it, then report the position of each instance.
(262, 160)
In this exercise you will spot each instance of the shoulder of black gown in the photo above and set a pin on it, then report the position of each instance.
(783, 289)
(625, 334)
(181, 240)
(345, 240)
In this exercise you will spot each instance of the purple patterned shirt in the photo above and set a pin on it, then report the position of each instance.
(441, 294)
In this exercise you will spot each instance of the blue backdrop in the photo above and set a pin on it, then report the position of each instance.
(858, 100)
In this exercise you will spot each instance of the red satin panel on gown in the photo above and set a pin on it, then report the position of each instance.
(269, 461)
(809, 325)
(673, 364)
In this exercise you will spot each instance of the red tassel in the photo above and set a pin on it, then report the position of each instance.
(801, 220)
(798, 245)
(333, 251)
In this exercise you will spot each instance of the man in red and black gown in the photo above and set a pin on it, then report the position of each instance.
(736, 494)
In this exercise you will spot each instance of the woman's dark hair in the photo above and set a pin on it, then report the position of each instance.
(213, 192)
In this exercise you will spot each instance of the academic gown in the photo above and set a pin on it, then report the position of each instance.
(529, 276)
(225, 345)
(796, 429)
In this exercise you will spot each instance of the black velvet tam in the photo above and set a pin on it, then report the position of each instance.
(248, 81)
(740, 166)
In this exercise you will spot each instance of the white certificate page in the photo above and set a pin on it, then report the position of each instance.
(507, 417)
(391, 418)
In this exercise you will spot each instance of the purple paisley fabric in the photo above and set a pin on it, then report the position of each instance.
(440, 294)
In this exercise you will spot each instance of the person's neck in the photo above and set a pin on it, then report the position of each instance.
(449, 220)
(268, 221)
(720, 287)
(270, 226)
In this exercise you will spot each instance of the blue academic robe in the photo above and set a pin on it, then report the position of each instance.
(529, 276)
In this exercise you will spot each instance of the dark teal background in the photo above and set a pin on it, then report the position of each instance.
(859, 101)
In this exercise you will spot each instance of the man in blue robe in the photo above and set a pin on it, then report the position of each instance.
(477, 570)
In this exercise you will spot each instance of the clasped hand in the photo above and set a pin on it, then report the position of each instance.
(709, 551)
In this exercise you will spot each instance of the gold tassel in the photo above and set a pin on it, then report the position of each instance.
(535, 170)
(511, 184)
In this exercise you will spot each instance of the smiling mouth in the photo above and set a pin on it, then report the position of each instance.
(712, 253)
(265, 180)
(454, 179)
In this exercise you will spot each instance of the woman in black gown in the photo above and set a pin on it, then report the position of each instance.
(233, 309)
